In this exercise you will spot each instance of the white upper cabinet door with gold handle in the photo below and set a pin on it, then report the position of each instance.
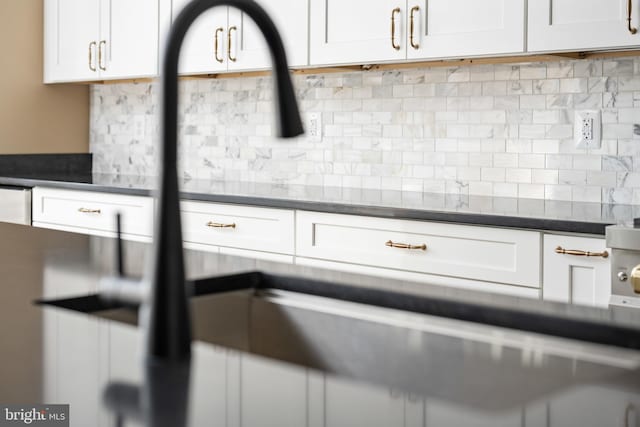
(357, 31)
(88, 40)
(576, 270)
(204, 49)
(561, 25)
(461, 28)
(71, 35)
(245, 42)
(128, 44)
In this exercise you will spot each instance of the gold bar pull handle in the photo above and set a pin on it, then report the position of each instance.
(220, 225)
(92, 46)
(89, 211)
(392, 244)
(393, 28)
(231, 57)
(631, 29)
(412, 42)
(103, 43)
(215, 45)
(561, 250)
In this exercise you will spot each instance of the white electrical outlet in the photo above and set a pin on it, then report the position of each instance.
(588, 129)
(313, 127)
(139, 126)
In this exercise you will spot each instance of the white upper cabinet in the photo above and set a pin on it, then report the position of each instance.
(248, 46)
(455, 28)
(226, 39)
(100, 39)
(71, 35)
(129, 38)
(204, 48)
(392, 30)
(356, 31)
(557, 25)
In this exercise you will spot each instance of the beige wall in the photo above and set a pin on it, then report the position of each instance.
(35, 118)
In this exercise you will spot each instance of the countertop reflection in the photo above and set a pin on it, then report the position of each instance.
(277, 358)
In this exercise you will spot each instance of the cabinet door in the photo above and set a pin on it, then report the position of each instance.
(71, 40)
(588, 24)
(247, 42)
(485, 254)
(445, 28)
(128, 45)
(272, 393)
(208, 33)
(594, 406)
(358, 405)
(576, 279)
(445, 414)
(356, 31)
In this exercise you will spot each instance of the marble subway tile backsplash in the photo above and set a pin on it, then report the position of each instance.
(498, 130)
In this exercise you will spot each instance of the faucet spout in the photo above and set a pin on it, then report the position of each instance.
(168, 323)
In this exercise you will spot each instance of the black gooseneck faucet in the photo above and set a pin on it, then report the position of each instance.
(168, 325)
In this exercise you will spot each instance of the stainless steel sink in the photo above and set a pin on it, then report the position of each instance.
(420, 345)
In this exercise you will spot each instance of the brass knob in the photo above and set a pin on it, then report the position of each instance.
(634, 278)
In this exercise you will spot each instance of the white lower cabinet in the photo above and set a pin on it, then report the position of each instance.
(238, 227)
(445, 414)
(484, 254)
(482, 258)
(410, 276)
(351, 404)
(576, 407)
(571, 278)
(93, 213)
(272, 394)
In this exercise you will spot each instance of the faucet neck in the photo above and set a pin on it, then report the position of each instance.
(169, 326)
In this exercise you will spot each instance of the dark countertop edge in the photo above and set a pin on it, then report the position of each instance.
(506, 221)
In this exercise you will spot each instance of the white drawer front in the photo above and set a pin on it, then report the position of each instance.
(93, 210)
(472, 252)
(259, 229)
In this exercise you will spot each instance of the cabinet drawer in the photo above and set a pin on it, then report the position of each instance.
(244, 227)
(471, 252)
(93, 210)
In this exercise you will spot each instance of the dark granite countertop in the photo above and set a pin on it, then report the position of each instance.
(289, 359)
(561, 216)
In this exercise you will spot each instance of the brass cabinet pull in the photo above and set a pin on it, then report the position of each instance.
(393, 28)
(561, 250)
(631, 29)
(405, 246)
(231, 58)
(215, 41)
(100, 56)
(89, 211)
(219, 225)
(92, 45)
(414, 45)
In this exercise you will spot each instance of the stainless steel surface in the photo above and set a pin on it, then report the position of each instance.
(15, 205)
(625, 265)
(623, 237)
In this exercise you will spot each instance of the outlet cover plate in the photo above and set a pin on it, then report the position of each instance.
(587, 130)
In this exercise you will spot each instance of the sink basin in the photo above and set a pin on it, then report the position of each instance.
(252, 282)
(421, 345)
